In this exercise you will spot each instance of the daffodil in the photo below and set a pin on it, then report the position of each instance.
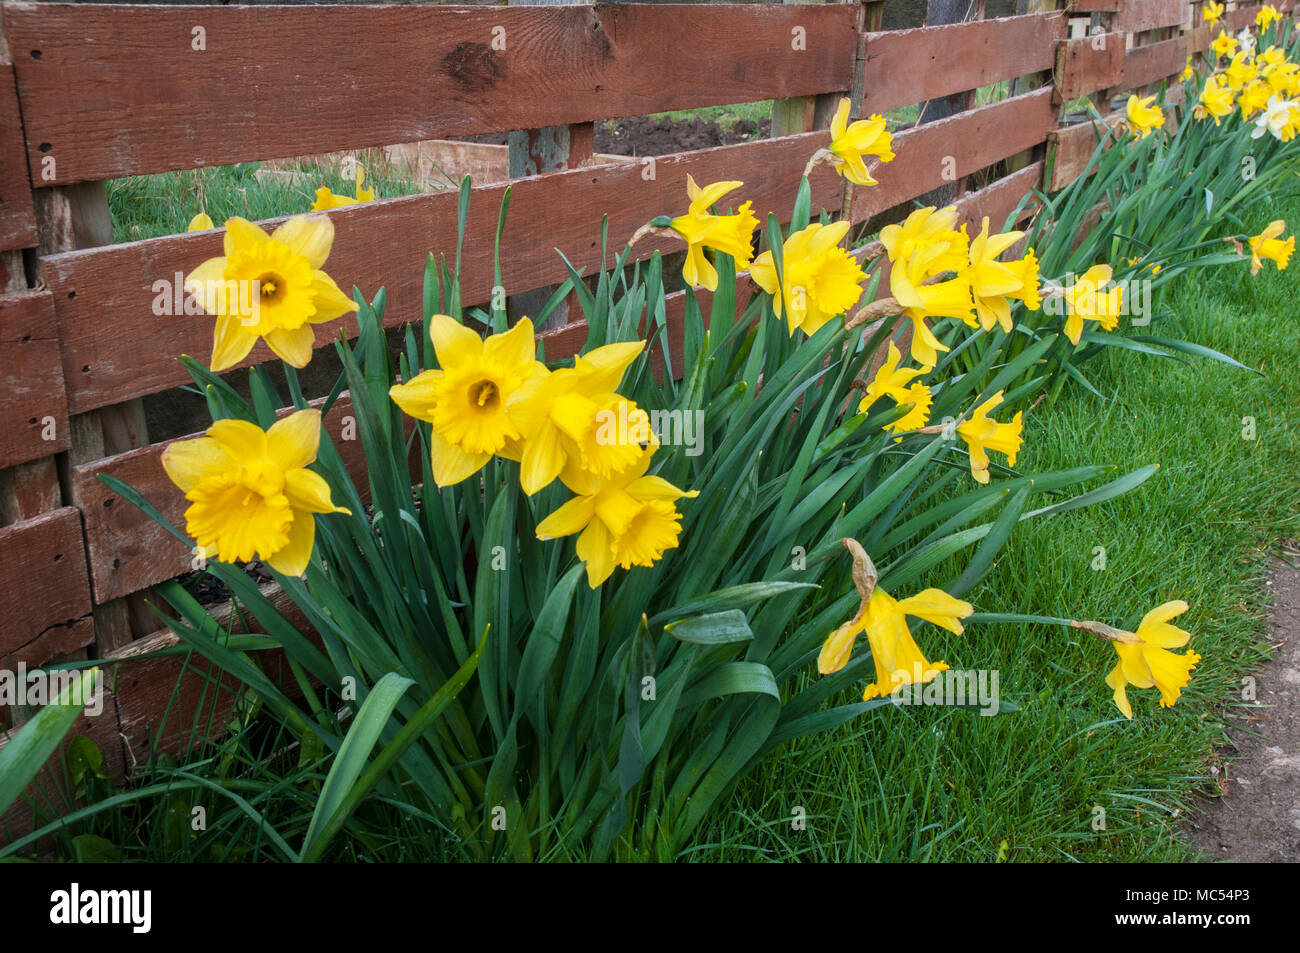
(1215, 100)
(1239, 72)
(199, 223)
(820, 280)
(1246, 41)
(1254, 98)
(1223, 45)
(1212, 12)
(702, 229)
(1267, 246)
(983, 434)
(1266, 15)
(993, 283)
(850, 142)
(1144, 657)
(1188, 70)
(922, 249)
(898, 659)
(572, 420)
(269, 287)
(250, 493)
(897, 384)
(1278, 118)
(474, 399)
(1085, 300)
(1282, 76)
(628, 520)
(326, 200)
(1144, 116)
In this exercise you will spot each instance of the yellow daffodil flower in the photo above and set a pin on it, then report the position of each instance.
(1282, 77)
(1085, 300)
(921, 249)
(250, 492)
(1239, 72)
(1188, 70)
(1215, 100)
(269, 287)
(898, 659)
(821, 279)
(1266, 15)
(326, 200)
(199, 223)
(1267, 246)
(572, 421)
(628, 520)
(983, 434)
(1212, 12)
(473, 400)
(851, 141)
(1223, 45)
(725, 233)
(994, 283)
(1144, 657)
(1254, 98)
(896, 383)
(1144, 116)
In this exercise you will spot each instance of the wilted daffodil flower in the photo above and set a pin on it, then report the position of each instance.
(899, 660)
(200, 223)
(326, 200)
(269, 287)
(628, 520)
(1267, 246)
(1144, 657)
(983, 434)
(820, 280)
(1223, 45)
(921, 249)
(896, 383)
(1144, 116)
(994, 282)
(1212, 12)
(701, 229)
(572, 421)
(850, 142)
(1215, 100)
(250, 492)
(472, 401)
(1085, 300)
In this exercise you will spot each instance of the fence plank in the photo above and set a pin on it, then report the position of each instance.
(32, 402)
(1071, 147)
(17, 216)
(104, 297)
(1135, 16)
(117, 90)
(911, 66)
(43, 565)
(1088, 65)
(927, 155)
(1156, 61)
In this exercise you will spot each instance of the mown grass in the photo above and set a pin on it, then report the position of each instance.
(950, 785)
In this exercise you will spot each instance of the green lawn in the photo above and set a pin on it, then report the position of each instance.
(934, 784)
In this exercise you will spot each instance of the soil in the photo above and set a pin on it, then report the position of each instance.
(1256, 818)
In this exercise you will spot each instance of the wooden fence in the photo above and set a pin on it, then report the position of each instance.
(90, 93)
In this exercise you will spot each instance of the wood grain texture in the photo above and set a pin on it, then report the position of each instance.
(1071, 147)
(126, 549)
(1135, 16)
(113, 90)
(32, 401)
(1094, 6)
(1088, 65)
(1156, 61)
(972, 140)
(43, 565)
(911, 66)
(17, 216)
(104, 297)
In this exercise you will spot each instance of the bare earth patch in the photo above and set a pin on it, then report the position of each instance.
(1257, 817)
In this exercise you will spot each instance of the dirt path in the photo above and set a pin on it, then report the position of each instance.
(1258, 817)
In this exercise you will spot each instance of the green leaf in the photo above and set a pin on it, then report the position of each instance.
(23, 756)
(714, 628)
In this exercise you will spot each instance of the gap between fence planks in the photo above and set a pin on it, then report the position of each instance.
(117, 90)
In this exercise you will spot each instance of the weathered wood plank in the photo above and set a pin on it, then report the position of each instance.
(1156, 61)
(105, 297)
(1135, 16)
(114, 90)
(911, 66)
(928, 156)
(43, 565)
(1071, 147)
(33, 406)
(1088, 65)
(17, 216)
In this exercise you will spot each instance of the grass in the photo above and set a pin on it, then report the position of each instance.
(949, 785)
